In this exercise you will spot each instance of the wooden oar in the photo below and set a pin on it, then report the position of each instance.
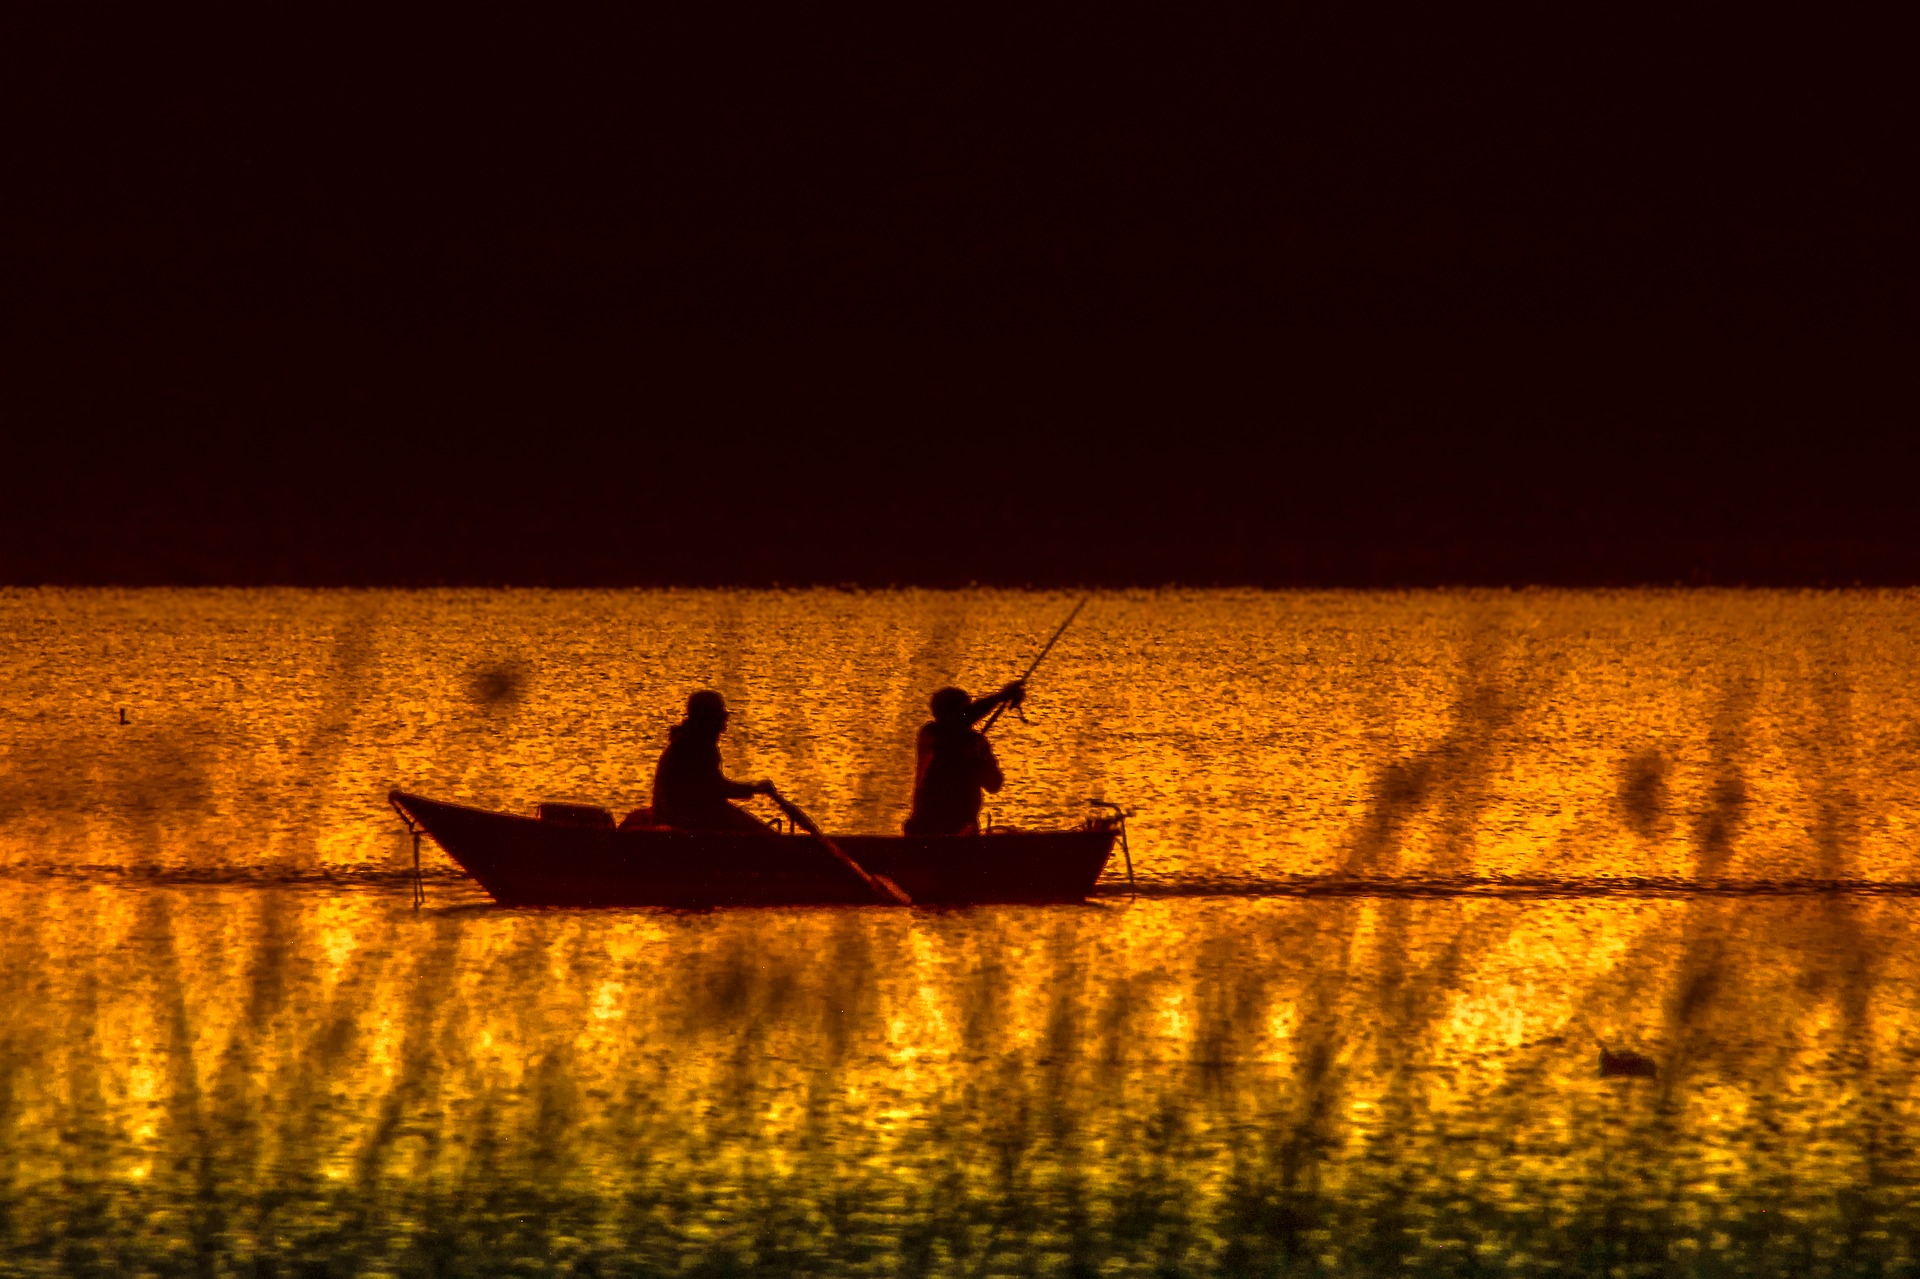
(1036, 661)
(883, 889)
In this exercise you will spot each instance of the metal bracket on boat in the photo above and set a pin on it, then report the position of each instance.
(1120, 814)
(414, 829)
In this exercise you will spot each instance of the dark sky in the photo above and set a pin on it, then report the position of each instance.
(1109, 295)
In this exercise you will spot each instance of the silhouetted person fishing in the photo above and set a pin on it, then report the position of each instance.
(690, 792)
(954, 765)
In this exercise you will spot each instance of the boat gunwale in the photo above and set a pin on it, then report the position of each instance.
(1068, 872)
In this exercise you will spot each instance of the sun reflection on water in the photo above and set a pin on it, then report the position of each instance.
(1158, 1082)
(228, 1043)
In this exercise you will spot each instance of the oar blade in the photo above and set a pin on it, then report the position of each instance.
(882, 888)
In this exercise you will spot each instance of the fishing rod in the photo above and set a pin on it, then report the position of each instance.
(1036, 661)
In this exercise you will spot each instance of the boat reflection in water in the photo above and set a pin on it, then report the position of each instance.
(1484, 840)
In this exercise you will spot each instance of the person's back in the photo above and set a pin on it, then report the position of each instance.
(688, 782)
(690, 792)
(954, 764)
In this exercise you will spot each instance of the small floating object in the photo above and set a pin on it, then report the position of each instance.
(1620, 1063)
(1626, 1065)
(123, 716)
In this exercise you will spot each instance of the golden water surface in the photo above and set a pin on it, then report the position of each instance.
(1405, 862)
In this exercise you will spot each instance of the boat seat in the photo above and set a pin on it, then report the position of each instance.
(589, 815)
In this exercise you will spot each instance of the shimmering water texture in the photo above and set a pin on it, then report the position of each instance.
(1409, 865)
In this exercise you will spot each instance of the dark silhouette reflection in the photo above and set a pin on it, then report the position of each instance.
(1643, 793)
(350, 675)
(1340, 1087)
(1831, 759)
(497, 683)
(882, 786)
(154, 784)
(1724, 808)
(1453, 777)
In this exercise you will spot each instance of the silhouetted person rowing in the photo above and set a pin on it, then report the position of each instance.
(689, 790)
(954, 764)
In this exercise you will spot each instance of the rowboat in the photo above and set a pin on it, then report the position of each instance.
(574, 855)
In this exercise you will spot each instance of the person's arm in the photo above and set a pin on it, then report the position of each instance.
(1013, 694)
(725, 786)
(746, 790)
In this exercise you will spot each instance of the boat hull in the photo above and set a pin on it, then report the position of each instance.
(522, 861)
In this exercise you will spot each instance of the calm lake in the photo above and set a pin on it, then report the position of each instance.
(1404, 863)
